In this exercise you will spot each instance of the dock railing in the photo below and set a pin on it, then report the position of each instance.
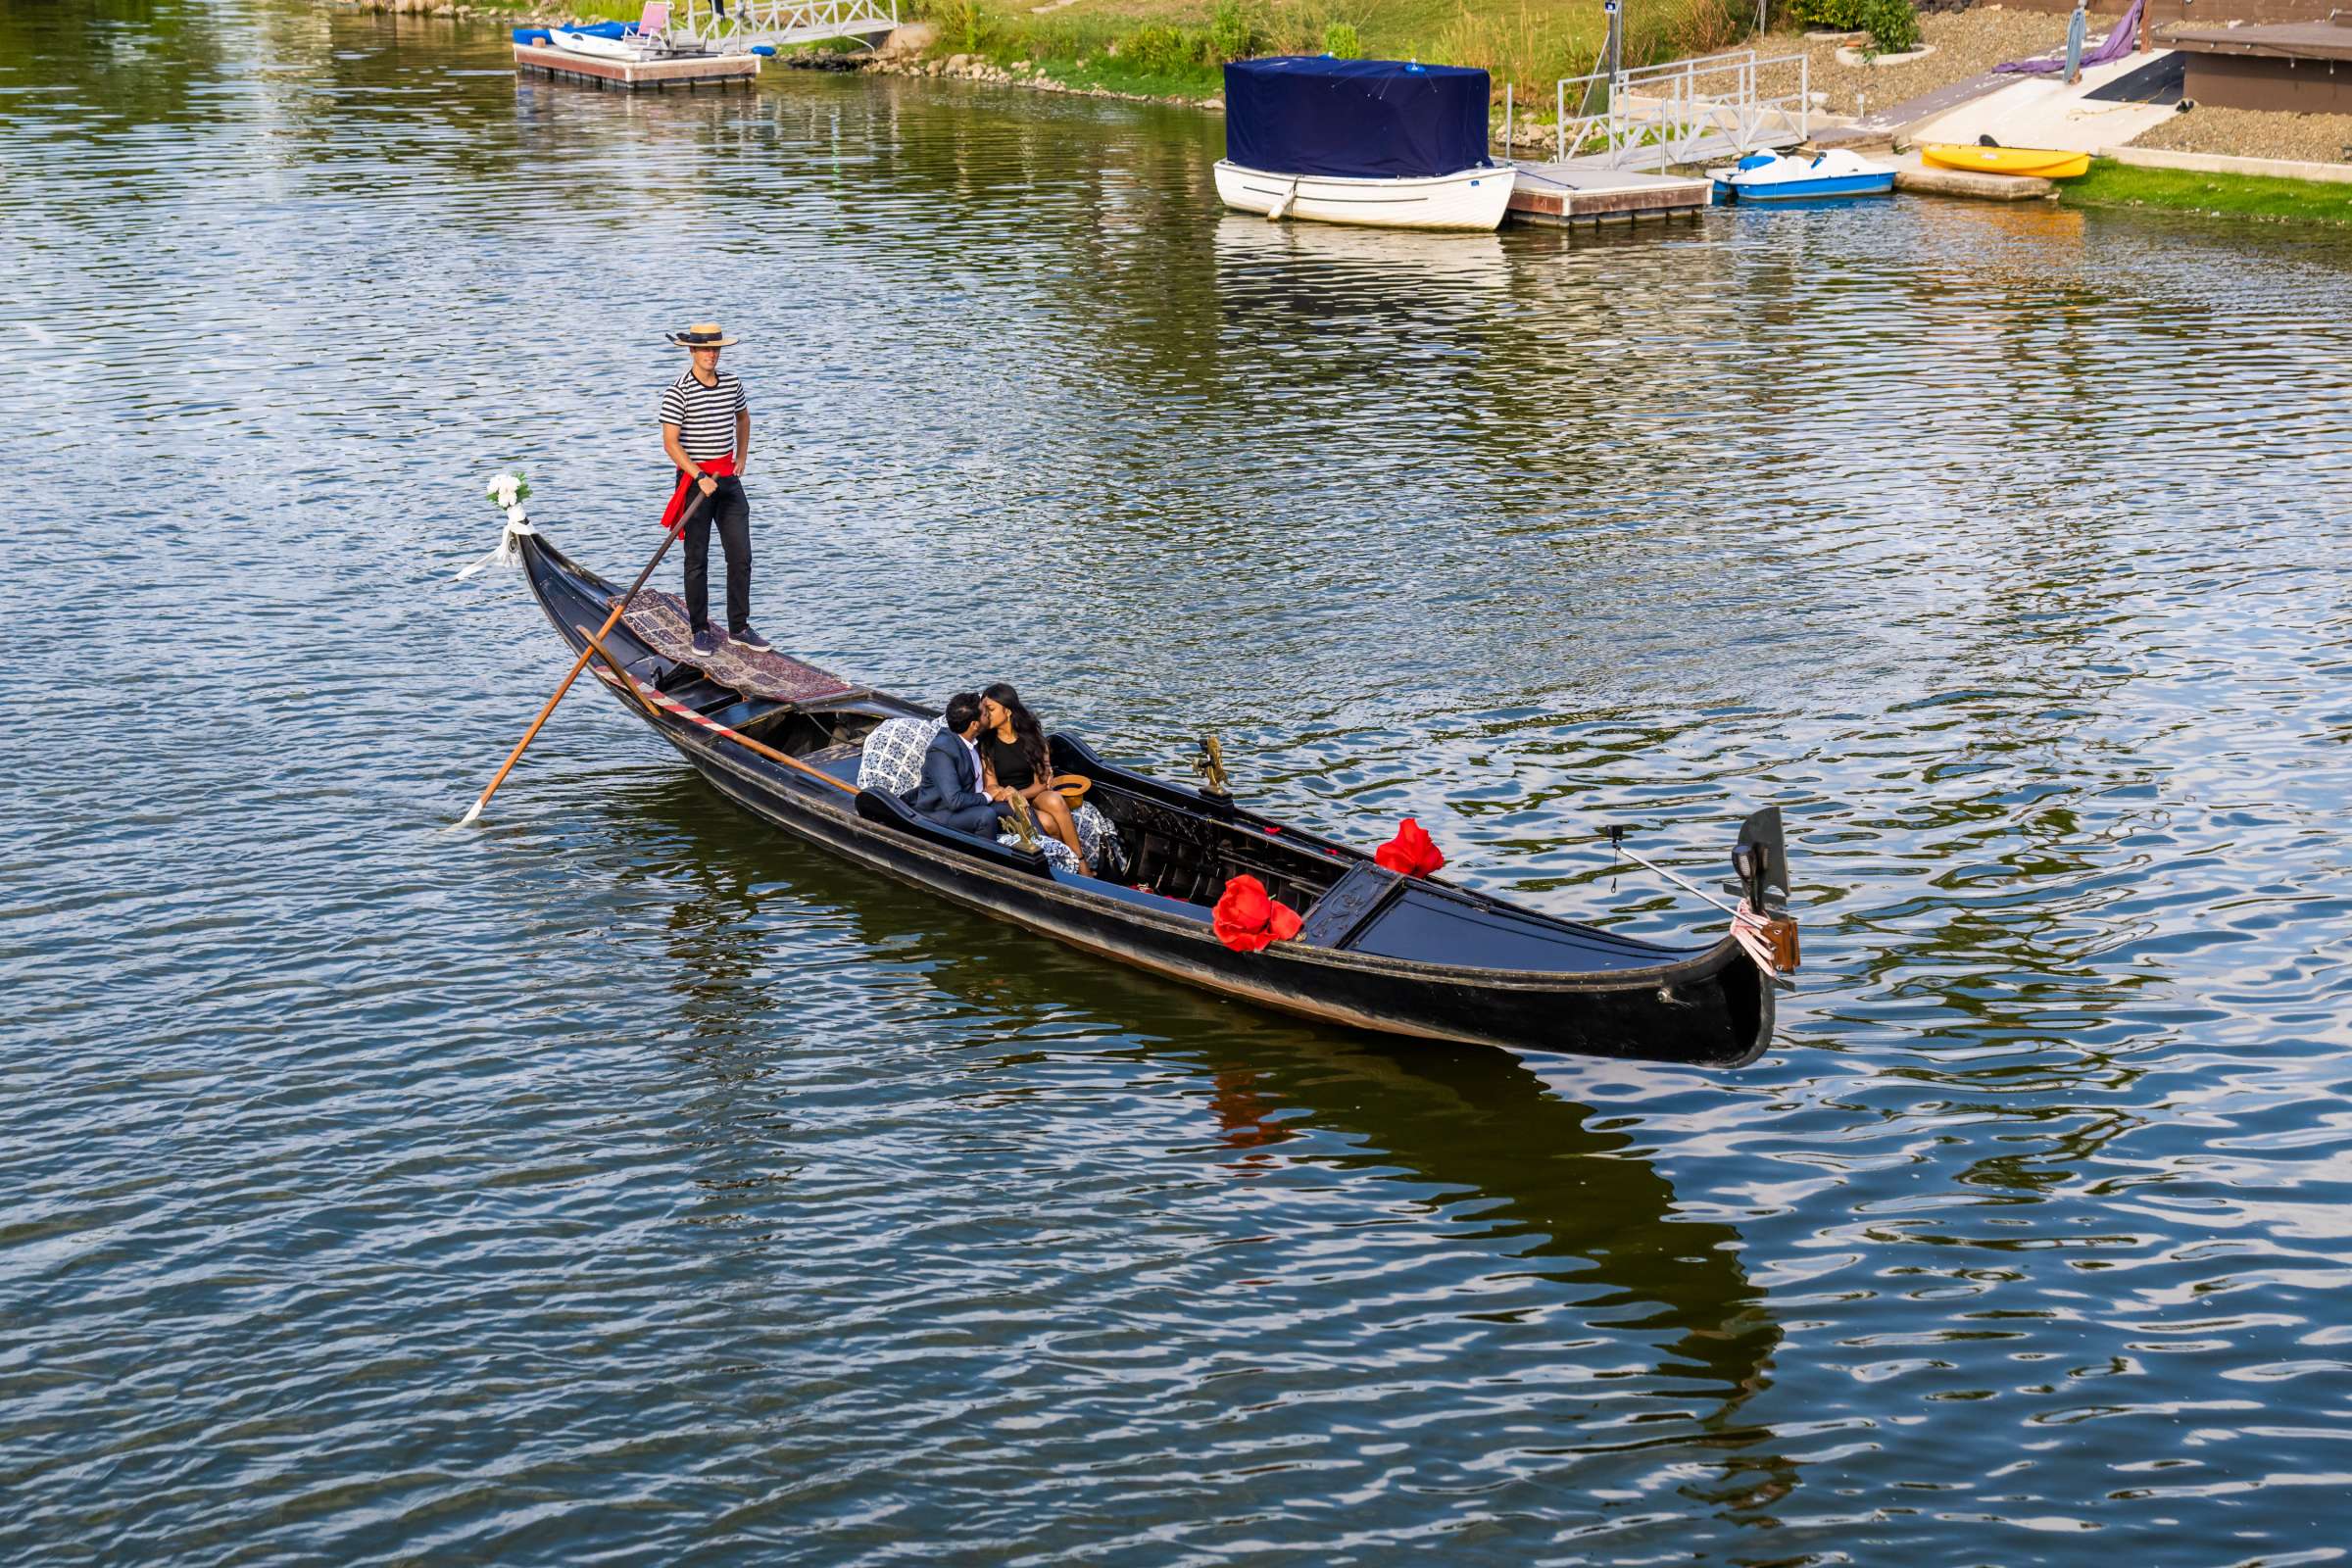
(1679, 113)
(726, 27)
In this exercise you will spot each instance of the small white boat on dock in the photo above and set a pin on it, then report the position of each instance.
(647, 38)
(602, 46)
(1382, 143)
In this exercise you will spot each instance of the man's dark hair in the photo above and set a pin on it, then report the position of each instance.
(962, 708)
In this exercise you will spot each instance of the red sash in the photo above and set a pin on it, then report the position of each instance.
(677, 497)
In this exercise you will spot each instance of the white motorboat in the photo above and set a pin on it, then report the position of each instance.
(1472, 198)
(1383, 143)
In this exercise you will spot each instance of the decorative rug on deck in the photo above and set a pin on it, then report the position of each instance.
(658, 621)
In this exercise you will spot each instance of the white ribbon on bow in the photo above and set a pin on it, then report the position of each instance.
(507, 490)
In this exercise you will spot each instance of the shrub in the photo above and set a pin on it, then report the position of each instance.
(1831, 15)
(1894, 25)
(963, 21)
(1704, 26)
(1525, 50)
(1339, 41)
(1234, 33)
(1161, 51)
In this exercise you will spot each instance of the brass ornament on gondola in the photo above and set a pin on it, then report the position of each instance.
(1022, 823)
(1210, 766)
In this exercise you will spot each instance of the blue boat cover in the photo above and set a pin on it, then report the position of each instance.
(1355, 119)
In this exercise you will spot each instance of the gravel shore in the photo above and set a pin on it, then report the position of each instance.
(1967, 43)
(1964, 44)
(2255, 134)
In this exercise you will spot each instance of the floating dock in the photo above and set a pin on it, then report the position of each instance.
(1918, 177)
(1580, 193)
(636, 75)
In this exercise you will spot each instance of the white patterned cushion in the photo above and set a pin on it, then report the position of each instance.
(1101, 836)
(1094, 830)
(891, 761)
(1058, 854)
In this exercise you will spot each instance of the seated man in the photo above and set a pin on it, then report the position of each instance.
(952, 791)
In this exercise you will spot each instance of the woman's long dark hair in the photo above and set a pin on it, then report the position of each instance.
(1027, 732)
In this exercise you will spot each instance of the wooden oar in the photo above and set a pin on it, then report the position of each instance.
(670, 536)
(657, 698)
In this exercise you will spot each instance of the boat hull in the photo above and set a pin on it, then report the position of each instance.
(1794, 191)
(1707, 1006)
(599, 47)
(1472, 199)
(2040, 163)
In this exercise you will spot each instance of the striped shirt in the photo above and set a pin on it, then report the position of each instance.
(704, 414)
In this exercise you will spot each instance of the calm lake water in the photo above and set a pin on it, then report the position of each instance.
(617, 1183)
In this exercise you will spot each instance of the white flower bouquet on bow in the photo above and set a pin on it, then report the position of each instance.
(511, 490)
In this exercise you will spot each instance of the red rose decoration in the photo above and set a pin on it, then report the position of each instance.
(1247, 920)
(1410, 853)
(1285, 922)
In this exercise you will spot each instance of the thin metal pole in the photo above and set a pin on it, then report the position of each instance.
(1689, 887)
(1507, 147)
(1559, 118)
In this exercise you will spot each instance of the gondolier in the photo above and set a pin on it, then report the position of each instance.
(706, 430)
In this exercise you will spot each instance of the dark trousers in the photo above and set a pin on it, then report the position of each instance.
(733, 514)
(976, 819)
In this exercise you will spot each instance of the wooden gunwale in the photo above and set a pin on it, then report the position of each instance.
(711, 757)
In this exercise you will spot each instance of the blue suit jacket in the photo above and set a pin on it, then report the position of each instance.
(949, 785)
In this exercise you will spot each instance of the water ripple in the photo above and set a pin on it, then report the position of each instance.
(619, 1182)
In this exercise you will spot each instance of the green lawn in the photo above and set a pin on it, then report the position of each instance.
(1530, 42)
(2114, 185)
(609, 10)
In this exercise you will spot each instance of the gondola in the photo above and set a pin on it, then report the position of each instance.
(1405, 955)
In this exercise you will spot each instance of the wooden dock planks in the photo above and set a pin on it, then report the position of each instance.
(1578, 193)
(685, 71)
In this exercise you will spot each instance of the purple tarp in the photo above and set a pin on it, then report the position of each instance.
(2118, 44)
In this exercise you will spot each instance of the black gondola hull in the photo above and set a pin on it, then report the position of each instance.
(1707, 1006)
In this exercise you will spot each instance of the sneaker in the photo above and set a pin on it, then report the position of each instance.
(751, 640)
(706, 641)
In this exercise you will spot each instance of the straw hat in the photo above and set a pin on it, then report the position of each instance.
(703, 335)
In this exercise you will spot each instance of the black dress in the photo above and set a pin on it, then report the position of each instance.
(1007, 759)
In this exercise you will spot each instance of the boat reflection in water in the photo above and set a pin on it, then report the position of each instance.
(1504, 1185)
(1376, 269)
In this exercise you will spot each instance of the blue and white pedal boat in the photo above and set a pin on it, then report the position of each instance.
(1773, 177)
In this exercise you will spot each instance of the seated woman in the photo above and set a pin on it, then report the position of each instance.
(1013, 754)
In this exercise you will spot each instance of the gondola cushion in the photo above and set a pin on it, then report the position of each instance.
(1101, 836)
(1058, 854)
(1097, 832)
(891, 761)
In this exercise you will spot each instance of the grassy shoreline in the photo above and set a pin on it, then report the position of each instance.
(1171, 50)
(2264, 198)
(1175, 48)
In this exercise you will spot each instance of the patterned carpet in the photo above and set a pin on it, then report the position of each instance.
(658, 621)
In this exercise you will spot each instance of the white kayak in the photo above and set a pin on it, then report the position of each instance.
(604, 48)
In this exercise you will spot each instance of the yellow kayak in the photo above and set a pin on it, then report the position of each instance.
(2043, 162)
